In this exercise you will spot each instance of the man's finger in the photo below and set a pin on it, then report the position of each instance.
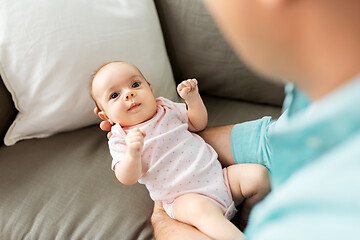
(158, 206)
(105, 126)
(96, 111)
(109, 134)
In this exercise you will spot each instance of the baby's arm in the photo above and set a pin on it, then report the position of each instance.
(128, 170)
(197, 113)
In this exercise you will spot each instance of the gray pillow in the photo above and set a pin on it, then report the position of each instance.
(197, 49)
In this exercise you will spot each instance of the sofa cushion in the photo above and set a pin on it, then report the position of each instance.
(198, 50)
(50, 49)
(223, 111)
(62, 187)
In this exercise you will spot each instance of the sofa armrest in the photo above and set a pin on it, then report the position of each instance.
(8, 111)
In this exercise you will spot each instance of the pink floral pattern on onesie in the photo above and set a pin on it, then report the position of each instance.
(175, 161)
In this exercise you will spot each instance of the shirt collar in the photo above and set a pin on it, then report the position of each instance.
(312, 129)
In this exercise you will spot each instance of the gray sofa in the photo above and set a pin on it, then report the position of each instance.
(62, 187)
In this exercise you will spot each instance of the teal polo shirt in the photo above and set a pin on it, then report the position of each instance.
(313, 154)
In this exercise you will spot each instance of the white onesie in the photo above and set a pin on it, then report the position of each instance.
(175, 161)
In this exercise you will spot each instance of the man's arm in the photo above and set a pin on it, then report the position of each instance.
(166, 228)
(220, 139)
(250, 142)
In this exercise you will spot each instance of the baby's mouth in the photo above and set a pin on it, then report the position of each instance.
(133, 106)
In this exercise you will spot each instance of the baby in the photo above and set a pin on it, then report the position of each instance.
(153, 143)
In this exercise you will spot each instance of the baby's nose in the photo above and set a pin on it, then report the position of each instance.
(129, 95)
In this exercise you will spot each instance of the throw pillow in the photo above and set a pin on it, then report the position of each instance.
(49, 51)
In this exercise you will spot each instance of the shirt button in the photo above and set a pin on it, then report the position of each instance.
(314, 142)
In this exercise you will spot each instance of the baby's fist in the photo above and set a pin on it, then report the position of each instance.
(188, 89)
(135, 141)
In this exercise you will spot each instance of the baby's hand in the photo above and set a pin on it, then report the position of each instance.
(135, 142)
(188, 89)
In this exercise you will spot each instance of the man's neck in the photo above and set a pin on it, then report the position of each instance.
(331, 55)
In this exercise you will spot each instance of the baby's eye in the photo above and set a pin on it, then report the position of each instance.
(135, 84)
(114, 95)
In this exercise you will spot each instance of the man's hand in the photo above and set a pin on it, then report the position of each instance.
(135, 142)
(188, 89)
(104, 125)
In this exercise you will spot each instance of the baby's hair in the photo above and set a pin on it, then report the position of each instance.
(96, 72)
(92, 80)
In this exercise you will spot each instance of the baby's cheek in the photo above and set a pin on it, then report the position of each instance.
(116, 116)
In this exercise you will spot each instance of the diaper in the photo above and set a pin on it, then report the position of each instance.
(228, 210)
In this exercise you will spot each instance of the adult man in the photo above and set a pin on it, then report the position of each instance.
(313, 149)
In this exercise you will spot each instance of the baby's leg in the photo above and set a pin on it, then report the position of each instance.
(249, 184)
(205, 215)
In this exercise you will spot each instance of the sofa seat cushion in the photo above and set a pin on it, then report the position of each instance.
(62, 187)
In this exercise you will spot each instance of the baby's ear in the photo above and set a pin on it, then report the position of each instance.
(103, 116)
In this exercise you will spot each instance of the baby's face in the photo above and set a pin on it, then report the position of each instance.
(123, 94)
